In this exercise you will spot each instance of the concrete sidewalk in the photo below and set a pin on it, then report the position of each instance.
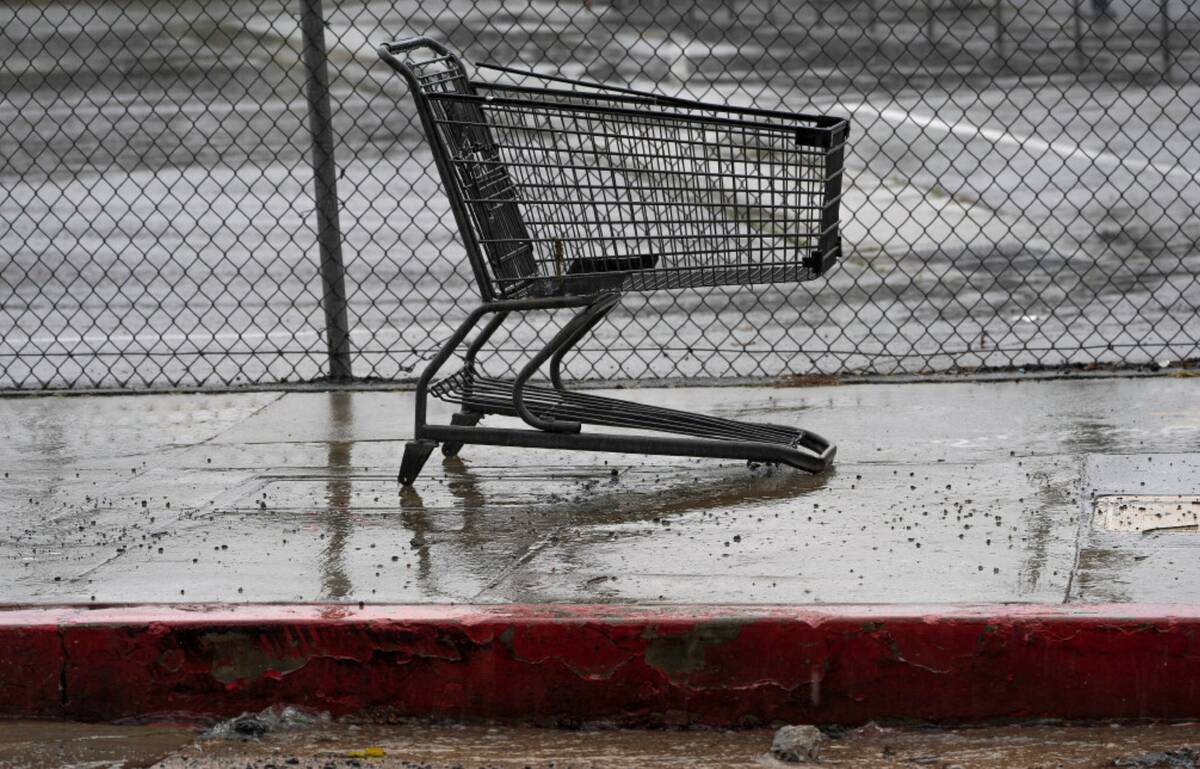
(969, 492)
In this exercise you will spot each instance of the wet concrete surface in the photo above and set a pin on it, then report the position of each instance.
(441, 746)
(1113, 565)
(948, 492)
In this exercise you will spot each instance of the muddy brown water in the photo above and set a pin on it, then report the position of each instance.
(443, 746)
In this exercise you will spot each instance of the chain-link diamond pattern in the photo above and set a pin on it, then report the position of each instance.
(1021, 185)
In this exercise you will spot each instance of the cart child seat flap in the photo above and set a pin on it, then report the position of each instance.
(482, 173)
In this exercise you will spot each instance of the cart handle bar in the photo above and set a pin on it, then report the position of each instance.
(404, 46)
(585, 83)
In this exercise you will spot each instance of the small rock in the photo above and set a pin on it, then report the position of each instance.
(871, 729)
(797, 744)
(249, 726)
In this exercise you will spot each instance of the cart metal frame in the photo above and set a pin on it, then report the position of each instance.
(567, 198)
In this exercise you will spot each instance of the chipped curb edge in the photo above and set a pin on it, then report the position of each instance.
(720, 666)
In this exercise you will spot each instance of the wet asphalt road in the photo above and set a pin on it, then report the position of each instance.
(959, 492)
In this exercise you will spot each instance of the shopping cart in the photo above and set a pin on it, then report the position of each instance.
(567, 197)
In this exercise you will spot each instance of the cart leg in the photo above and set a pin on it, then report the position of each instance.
(465, 419)
(595, 313)
(563, 339)
(415, 454)
(484, 335)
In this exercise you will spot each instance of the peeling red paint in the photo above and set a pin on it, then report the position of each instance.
(722, 666)
(240, 656)
(685, 652)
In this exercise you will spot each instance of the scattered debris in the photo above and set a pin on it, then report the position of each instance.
(367, 753)
(277, 718)
(1183, 758)
(249, 726)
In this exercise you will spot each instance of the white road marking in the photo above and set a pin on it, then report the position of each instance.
(154, 340)
(117, 108)
(1067, 150)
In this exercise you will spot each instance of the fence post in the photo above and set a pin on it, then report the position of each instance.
(1077, 32)
(329, 236)
(998, 45)
(1165, 37)
(929, 19)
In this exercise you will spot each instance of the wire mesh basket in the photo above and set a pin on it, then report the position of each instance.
(570, 192)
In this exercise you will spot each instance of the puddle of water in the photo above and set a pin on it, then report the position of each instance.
(46, 744)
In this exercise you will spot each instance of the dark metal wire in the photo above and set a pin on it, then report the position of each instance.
(678, 195)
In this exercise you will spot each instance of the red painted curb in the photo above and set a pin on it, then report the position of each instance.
(721, 666)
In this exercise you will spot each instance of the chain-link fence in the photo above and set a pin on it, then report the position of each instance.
(1021, 188)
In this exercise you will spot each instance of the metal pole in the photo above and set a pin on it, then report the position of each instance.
(929, 27)
(998, 14)
(1077, 20)
(329, 236)
(1165, 38)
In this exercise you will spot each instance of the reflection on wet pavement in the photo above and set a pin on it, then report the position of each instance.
(335, 584)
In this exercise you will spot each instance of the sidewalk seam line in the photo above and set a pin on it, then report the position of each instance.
(1081, 529)
(280, 396)
(529, 554)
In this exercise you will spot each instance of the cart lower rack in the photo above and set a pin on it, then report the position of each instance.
(565, 199)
